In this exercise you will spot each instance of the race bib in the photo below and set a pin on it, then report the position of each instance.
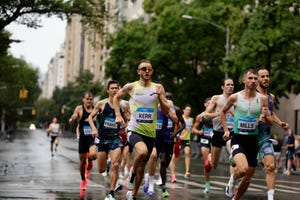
(87, 130)
(110, 123)
(246, 124)
(170, 124)
(204, 141)
(144, 115)
(159, 124)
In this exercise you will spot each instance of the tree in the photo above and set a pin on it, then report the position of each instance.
(267, 35)
(27, 12)
(65, 99)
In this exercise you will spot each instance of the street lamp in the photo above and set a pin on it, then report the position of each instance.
(226, 29)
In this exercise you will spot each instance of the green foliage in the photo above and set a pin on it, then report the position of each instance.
(188, 55)
(16, 74)
(69, 97)
(28, 12)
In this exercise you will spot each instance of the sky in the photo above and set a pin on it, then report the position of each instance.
(39, 45)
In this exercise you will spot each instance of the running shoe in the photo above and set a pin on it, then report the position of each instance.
(118, 187)
(173, 179)
(83, 185)
(145, 188)
(165, 193)
(207, 188)
(159, 181)
(229, 190)
(207, 165)
(129, 196)
(130, 183)
(187, 175)
(150, 192)
(110, 197)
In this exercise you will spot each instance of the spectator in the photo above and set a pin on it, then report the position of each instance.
(297, 153)
(290, 144)
(277, 151)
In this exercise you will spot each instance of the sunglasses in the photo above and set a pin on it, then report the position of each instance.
(144, 69)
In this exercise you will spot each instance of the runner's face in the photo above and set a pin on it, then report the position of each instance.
(187, 111)
(263, 78)
(250, 80)
(228, 86)
(88, 100)
(145, 71)
(113, 89)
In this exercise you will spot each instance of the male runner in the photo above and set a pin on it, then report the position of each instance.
(249, 108)
(145, 96)
(86, 147)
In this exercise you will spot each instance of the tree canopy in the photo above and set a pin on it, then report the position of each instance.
(189, 55)
(28, 12)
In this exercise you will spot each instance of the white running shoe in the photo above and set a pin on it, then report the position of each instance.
(229, 191)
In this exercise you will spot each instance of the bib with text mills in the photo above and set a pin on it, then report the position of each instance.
(143, 108)
(246, 115)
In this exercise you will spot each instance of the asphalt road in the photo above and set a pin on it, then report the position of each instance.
(27, 171)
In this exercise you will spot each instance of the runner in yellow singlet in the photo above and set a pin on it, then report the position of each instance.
(145, 96)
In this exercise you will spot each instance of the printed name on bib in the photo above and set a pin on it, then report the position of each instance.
(144, 115)
(246, 124)
(110, 123)
(87, 130)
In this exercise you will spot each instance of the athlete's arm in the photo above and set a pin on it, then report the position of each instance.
(126, 90)
(92, 115)
(164, 104)
(210, 110)
(265, 112)
(196, 125)
(276, 119)
(230, 101)
(75, 115)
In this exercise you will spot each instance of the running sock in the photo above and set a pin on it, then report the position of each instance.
(151, 183)
(133, 175)
(271, 194)
(231, 180)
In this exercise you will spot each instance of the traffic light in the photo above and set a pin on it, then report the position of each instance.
(23, 94)
(33, 111)
(62, 110)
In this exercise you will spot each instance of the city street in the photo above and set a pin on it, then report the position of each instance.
(27, 171)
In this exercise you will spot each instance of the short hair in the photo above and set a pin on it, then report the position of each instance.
(250, 70)
(87, 93)
(144, 61)
(225, 79)
(112, 82)
(207, 99)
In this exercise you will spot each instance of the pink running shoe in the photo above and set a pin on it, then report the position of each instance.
(83, 185)
(173, 179)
